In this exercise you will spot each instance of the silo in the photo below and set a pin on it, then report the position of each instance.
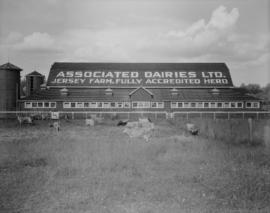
(9, 86)
(33, 82)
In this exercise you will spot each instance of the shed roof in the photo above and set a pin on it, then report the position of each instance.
(9, 66)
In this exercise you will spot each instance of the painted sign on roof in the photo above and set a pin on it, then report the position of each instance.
(140, 74)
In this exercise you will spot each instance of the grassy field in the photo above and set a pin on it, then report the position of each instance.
(100, 169)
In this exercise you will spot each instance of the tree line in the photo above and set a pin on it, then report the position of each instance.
(257, 91)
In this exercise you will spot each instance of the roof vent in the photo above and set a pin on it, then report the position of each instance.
(174, 91)
(64, 92)
(109, 91)
(215, 91)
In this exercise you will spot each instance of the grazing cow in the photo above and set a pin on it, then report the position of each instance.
(192, 129)
(56, 125)
(122, 123)
(89, 122)
(24, 119)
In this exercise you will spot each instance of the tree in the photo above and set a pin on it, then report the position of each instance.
(252, 88)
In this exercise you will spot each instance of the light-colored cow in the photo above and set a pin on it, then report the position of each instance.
(56, 125)
(24, 119)
(192, 129)
(89, 122)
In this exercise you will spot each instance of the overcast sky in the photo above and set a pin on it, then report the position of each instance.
(36, 33)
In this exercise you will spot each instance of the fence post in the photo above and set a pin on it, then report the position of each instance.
(214, 116)
(250, 130)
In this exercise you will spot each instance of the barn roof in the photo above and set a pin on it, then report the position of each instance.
(138, 66)
(63, 74)
(9, 66)
(232, 94)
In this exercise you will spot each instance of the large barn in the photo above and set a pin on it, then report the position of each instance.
(129, 87)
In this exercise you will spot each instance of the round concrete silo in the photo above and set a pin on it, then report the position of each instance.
(9, 86)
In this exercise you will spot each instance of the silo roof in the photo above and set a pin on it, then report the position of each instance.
(34, 73)
(9, 66)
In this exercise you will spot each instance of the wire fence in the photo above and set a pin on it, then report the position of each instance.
(42, 115)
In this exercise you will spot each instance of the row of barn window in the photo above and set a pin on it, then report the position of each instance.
(143, 104)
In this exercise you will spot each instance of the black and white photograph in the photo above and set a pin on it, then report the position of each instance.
(134, 106)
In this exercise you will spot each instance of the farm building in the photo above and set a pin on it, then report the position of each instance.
(135, 87)
(9, 86)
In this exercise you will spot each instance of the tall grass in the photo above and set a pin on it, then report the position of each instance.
(235, 131)
(100, 169)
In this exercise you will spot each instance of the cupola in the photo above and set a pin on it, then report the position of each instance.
(64, 91)
(174, 91)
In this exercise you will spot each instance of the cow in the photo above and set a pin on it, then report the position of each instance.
(89, 122)
(122, 123)
(24, 119)
(55, 125)
(192, 129)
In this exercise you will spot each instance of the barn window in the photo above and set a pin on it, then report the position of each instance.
(113, 104)
(46, 104)
(252, 105)
(239, 105)
(160, 104)
(126, 104)
(200, 105)
(226, 105)
(141, 104)
(73, 104)
(212, 105)
(233, 105)
(173, 104)
(34, 104)
(206, 105)
(154, 104)
(40, 104)
(219, 105)
(99, 104)
(66, 105)
(79, 105)
(93, 105)
(86, 105)
(186, 105)
(106, 105)
(28, 105)
(53, 104)
(180, 105)
(119, 104)
(256, 104)
(192, 105)
(157, 105)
